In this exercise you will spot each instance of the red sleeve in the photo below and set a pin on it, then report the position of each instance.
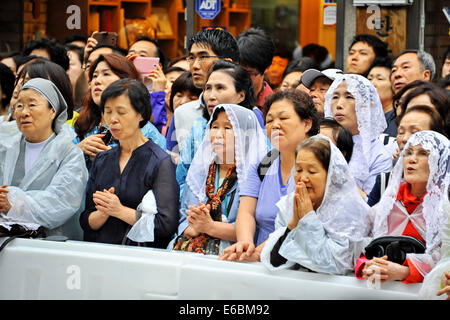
(359, 266)
(414, 275)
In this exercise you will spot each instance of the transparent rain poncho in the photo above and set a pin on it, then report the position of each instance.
(250, 146)
(52, 192)
(390, 218)
(331, 238)
(369, 156)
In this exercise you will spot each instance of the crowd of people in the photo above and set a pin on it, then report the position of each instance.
(226, 151)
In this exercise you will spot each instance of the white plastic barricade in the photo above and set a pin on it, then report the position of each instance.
(39, 269)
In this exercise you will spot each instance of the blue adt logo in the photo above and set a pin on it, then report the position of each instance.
(207, 9)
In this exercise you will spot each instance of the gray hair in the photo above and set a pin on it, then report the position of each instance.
(426, 61)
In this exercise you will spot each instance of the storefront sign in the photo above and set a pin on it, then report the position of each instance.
(207, 9)
(387, 23)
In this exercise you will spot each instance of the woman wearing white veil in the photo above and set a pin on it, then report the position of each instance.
(233, 141)
(324, 222)
(416, 203)
(354, 102)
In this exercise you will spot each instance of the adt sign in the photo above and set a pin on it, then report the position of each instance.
(207, 9)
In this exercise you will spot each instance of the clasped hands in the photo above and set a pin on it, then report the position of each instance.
(199, 219)
(107, 202)
(5, 206)
(302, 204)
(381, 269)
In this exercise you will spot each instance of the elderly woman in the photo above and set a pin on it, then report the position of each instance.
(324, 223)
(415, 204)
(123, 176)
(42, 174)
(354, 102)
(291, 118)
(233, 142)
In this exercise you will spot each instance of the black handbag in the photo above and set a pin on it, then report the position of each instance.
(19, 231)
(394, 247)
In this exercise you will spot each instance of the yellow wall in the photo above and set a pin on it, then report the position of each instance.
(311, 26)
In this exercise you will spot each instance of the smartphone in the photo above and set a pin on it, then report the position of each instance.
(145, 65)
(108, 138)
(109, 38)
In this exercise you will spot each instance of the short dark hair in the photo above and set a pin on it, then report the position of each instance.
(256, 49)
(21, 60)
(341, 135)
(379, 47)
(241, 80)
(438, 96)
(7, 80)
(221, 42)
(56, 51)
(444, 82)
(78, 50)
(385, 62)
(136, 92)
(43, 68)
(303, 106)
(162, 57)
(316, 52)
(399, 95)
(102, 45)
(183, 83)
(75, 37)
(175, 60)
(300, 65)
(436, 121)
(319, 147)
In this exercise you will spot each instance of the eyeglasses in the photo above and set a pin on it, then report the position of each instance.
(201, 58)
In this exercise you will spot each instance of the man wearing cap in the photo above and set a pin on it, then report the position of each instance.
(318, 83)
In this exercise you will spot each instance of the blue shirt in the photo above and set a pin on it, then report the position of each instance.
(268, 192)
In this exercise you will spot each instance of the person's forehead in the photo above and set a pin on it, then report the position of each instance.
(31, 95)
(144, 45)
(380, 69)
(96, 53)
(409, 57)
(413, 118)
(201, 47)
(361, 45)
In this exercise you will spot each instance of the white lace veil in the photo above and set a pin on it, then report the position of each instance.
(369, 114)
(250, 147)
(343, 211)
(436, 198)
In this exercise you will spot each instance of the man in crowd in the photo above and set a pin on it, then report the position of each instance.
(205, 48)
(363, 51)
(411, 65)
(318, 83)
(256, 50)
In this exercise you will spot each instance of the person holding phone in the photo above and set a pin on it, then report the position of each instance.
(151, 62)
(104, 71)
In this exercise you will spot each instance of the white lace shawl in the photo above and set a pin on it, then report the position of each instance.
(435, 202)
(343, 214)
(250, 147)
(370, 118)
